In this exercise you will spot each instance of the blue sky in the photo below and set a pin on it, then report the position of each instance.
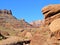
(30, 10)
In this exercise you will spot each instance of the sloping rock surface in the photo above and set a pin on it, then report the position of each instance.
(9, 21)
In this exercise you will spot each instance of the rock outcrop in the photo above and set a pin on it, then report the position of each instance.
(6, 12)
(51, 13)
(52, 21)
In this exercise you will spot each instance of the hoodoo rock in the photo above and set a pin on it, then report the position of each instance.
(51, 12)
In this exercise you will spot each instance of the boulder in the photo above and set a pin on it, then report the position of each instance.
(28, 35)
(55, 25)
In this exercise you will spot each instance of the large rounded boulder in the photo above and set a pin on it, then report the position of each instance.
(55, 25)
